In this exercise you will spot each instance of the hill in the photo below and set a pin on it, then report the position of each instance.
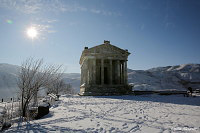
(177, 77)
(8, 80)
(171, 77)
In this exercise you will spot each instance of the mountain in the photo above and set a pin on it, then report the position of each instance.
(8, 80)
(161, 78)
(177, 77)
(73, 79)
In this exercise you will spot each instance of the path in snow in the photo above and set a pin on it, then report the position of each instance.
(150, 113)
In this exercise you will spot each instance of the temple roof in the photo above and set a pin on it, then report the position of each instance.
(106, 49)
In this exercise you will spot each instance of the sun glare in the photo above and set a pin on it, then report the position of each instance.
(32, 32)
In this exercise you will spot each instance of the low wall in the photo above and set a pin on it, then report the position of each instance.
(159, 92)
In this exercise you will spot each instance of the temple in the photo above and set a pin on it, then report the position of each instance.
(104, 70)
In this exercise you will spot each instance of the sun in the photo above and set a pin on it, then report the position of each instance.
(32, 32)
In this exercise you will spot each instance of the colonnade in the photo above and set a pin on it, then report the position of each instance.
(104, 72)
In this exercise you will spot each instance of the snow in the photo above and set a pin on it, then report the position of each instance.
(146, 113)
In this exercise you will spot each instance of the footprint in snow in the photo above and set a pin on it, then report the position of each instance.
(112, 128)
(101, 129)
(135, 128)
(125, 126)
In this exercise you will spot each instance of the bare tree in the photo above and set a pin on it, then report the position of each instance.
(33, 76)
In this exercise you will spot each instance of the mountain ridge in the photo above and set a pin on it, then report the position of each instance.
(177, 77)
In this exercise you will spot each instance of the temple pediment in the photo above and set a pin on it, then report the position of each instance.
(106, 49)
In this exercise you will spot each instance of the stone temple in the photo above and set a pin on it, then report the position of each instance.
(104, 70)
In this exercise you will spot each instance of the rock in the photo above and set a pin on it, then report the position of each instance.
(42, 111)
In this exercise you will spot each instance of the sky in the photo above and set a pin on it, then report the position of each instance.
(156, 32)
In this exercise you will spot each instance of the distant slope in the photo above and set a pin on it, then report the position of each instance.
(171, 77)
(8, 80)
(73, 79)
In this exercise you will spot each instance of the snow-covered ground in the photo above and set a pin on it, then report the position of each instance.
(146, 113)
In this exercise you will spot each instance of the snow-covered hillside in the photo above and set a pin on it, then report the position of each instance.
(171, 77)
(140, 114)
(73, 79)
(8, 80)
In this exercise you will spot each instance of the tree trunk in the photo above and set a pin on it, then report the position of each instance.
(22, 106)
(24, 109)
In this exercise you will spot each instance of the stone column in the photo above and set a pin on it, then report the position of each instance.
(94, 71)
(90, 71)
(121, 77)
(102, 71)
(81, 75)
(110, 71)
(118, 72)
(86, 72)
(125, 73)
(88, 76)
(121, 72)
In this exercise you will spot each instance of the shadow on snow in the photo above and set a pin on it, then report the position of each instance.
(173, 99)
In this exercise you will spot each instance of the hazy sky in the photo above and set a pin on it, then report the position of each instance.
(156, 32)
